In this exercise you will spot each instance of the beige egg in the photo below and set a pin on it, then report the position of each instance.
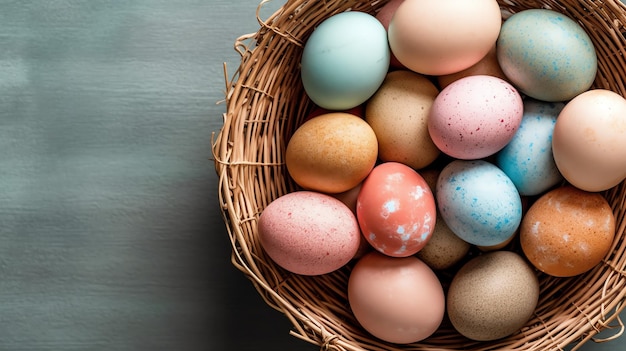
(488, 65)
(331, 153)
(444, 249)
(398, 114)
(492, 296)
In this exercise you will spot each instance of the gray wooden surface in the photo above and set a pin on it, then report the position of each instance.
(110, 232)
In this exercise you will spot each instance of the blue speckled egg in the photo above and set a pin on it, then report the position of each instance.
(478, 202)
(345, 60)
(546, 55)
(527, 159)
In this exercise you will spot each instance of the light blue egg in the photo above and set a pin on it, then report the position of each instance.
(527, 159)
(345, 60)
(478, 202)
(546, 55)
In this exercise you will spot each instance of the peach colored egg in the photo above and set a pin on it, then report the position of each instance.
(309, 233)
(438, 37)
(399, 300)
(567, 231)
(396, 210)
(398, 114)
(475, 117)
(589, 140)
(331, 153)
(488, 65)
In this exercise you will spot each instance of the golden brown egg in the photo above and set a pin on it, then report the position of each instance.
(331, 153)
(567, 231)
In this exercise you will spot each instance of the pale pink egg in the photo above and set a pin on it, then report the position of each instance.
(396, 210)
(309, 233)
(475, 117)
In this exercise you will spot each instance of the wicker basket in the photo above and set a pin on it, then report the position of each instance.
(265, 104)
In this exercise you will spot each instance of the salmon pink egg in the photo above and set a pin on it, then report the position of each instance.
(396, 210)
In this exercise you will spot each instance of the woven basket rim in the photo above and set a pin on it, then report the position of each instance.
(247, 155)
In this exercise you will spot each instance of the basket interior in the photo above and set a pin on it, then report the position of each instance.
(266, 103)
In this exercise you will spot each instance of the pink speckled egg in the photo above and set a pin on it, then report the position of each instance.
(309, 233)
(396, 210)
(475, 117)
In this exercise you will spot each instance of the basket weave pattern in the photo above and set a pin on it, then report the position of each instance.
(265, 104)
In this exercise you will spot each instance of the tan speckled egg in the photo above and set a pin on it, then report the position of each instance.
(444, 249)
(492, 296)
(331, 153)
(430, 175)
(488, 65)
(567, 231)
(398, 114)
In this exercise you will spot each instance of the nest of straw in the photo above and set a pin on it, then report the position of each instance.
(266, 103)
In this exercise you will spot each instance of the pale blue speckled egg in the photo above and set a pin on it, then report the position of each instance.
(527, 159)
(546, 55)
(478, 202)
(345, 60)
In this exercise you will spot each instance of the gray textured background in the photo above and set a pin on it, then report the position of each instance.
(110, 233)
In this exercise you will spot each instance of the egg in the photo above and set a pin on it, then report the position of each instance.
(331, 153)
(488, 65)
(475, 117)
(444, 249)
(396, 210)
(492, 296)
(528, 159)
(479, 202)
(345, 60)
(358, 111)
(431, 36)
(398, 300)
(589, 141)
(398, 114)
(384, 15)
(308, 233)
(567, 231)
(546, 55)
(349, 199)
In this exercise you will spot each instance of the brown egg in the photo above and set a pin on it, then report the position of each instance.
(430, 175)
(331, 153)
(444, 249)
(492, 296)
(567, 231)
(398, 114)
(488, 65)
